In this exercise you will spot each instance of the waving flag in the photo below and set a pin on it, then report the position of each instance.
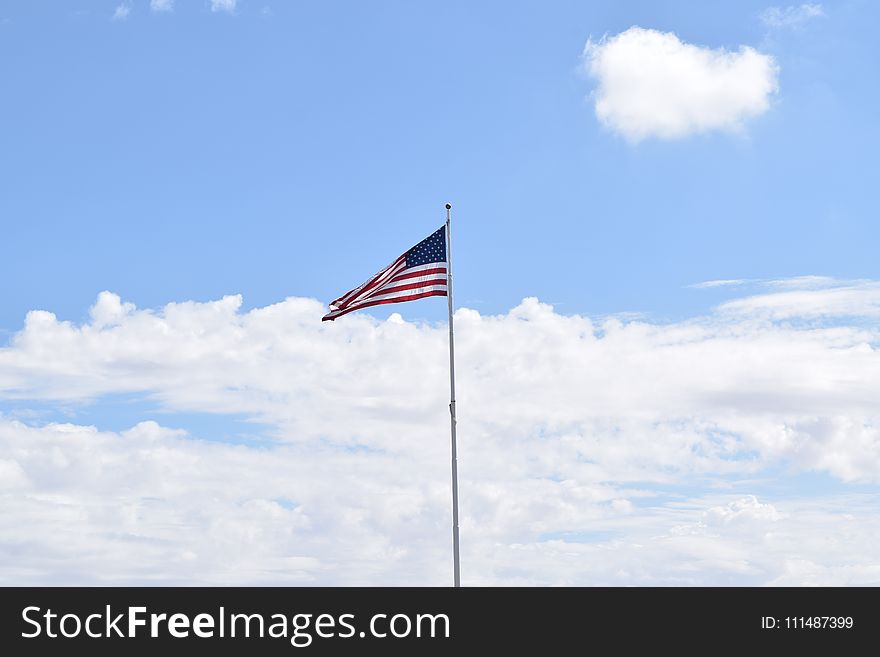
(420, 272)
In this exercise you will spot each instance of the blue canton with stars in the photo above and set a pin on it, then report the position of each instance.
(430, 249)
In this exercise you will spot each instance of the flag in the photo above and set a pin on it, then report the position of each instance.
(418, 273)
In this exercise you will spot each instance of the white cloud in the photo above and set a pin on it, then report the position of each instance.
(227, 6)
(122, 11)
(807, 283)
(572, 433)
(719, 283)
(792, 16)
(746, 509)
(811, 297)
(109, 310)
(162, 5)
(707, 390)
(151, 506)
(652, 84)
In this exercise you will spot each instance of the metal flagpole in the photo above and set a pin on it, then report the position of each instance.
(455, 561)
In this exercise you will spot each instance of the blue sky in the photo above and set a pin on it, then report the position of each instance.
(622, 418)
(194, 154)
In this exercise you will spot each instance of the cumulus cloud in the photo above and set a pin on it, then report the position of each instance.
(652, 84)
(792, 16)
(227, 6)
(692, 395)
(152, 506)
(162, 5)
(745, 509)
(574, 437)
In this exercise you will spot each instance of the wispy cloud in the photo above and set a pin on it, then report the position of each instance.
(121, 12)
(811, 300)
(801, 297)
(808, 282)
(227, 6)
(791, 283)
(652, 84)
(724, 282)
(160, 6)
(792, 16)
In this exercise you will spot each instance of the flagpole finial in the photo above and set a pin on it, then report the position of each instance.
(449, 206)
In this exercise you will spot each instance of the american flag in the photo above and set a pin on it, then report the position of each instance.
(418, 273)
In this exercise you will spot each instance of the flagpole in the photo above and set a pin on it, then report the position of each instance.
(455, 560)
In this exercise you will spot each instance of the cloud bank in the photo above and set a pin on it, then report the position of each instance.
(652, 84)
(590, 452)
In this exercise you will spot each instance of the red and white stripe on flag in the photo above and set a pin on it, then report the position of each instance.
(420, 272)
